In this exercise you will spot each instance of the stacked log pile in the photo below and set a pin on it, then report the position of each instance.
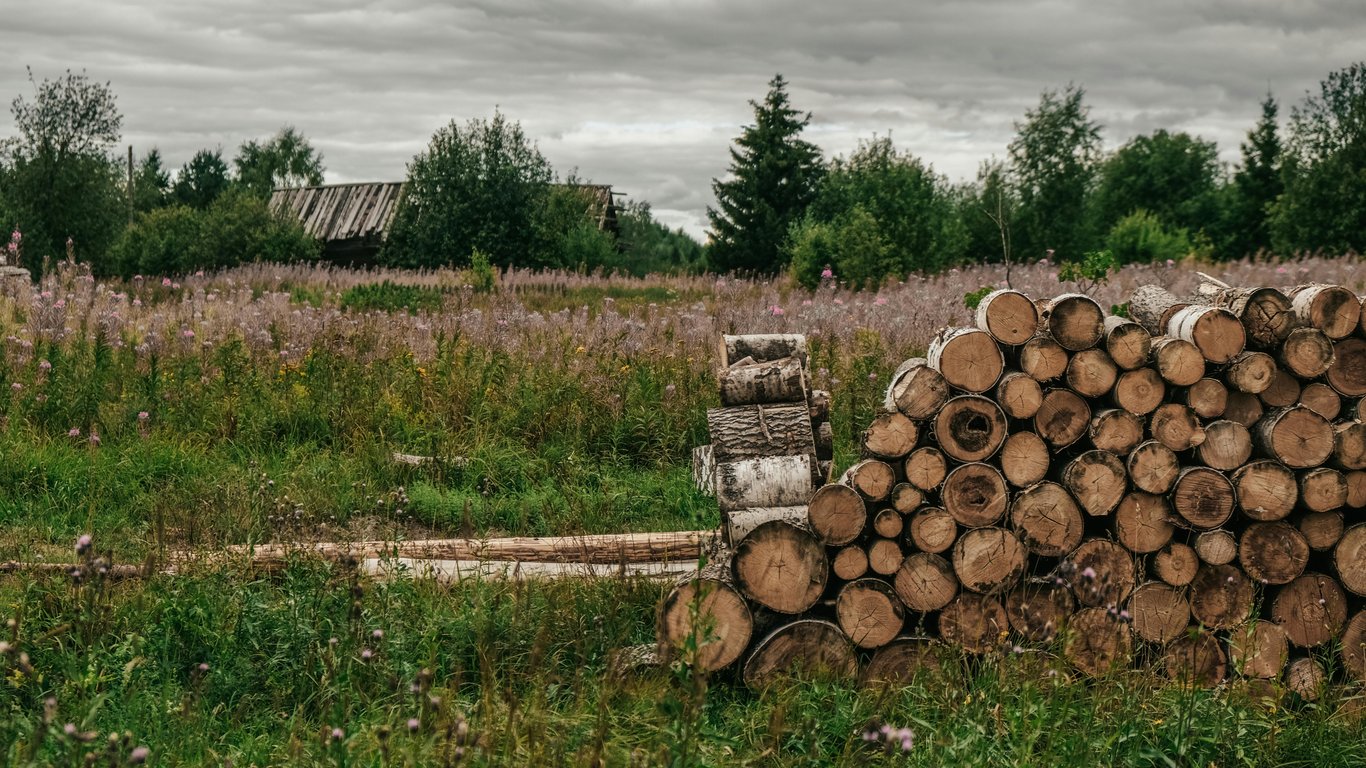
(1183, 489)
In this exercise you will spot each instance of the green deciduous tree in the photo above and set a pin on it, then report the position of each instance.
(1173, 176)
(1256, 185)
(202, 180)
(1053, 160)
(649, 246)
(773, 178)
(481, 186)
(284, 160)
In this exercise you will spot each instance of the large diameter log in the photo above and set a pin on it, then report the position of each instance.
(1265, 489)
(1244, 408)
(872, 479)
(1330, 308)
(1062, 418)
(1009, 316)
(1311, 609)
(1153, 307)
(1216, 547)
(1273, 553)
(925, 582)
(754, 431)
(1354, 647)
(969, 359)
(1307, 353)
(925, 468)
(1227, 445)
(1258, 649)
(975, 623)
(1321, 399)
(1127, 342)
(704, 469)
(1039, 610)
(900, 661)
(1202, 498)
(1176, 564)
(869, 612)
(1221, 596)
(739, 523)
(806, 648)
(988, 560)
(1349, 445)
(972, 428)
(1250, 372)
(1215, 332)
(1103, 573)
(1323, 530)
(1265, 313)
(770, 481)
(1284, 390)
(1143, 522)
(1043, 359)
(762, 348)
(1019, 395)
(1295, 436)
(1097, 642)
(1047, 519)
(1348, 372)
(1153, 467)
(1097, 479)
(837, 514)
(1349, 557)
(1074, 320)
(933, 530)
(1139, 391)
(1178, 362)
(891, 436)
(884, 556)
(707, 617)
(1159, 612)
(781, 567)
(1207, 397)
(1024, 459)
(1196, 657)
(1356, 488)
(1091, 373)
(1176, 426)
(776, 381)
(975, 495)
(1116, 430)
(1323, 490)
(917, 390)
(849, 563)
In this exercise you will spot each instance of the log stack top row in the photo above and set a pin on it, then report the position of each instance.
(1184, 486)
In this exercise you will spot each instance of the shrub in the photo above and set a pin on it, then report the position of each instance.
(852, 244)
(1142, 237)
(389, 296)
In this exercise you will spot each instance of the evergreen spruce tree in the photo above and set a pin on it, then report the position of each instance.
(1257, 184)
(773, 178)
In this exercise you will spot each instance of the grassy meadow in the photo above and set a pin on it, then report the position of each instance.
(264, 403)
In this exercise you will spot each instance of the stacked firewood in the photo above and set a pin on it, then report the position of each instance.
(1184, 488)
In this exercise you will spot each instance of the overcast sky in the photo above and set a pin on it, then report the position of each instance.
(647, 95)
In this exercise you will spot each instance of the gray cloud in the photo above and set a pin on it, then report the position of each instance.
(648, 94)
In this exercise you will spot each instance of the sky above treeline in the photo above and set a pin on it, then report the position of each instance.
(647, 95)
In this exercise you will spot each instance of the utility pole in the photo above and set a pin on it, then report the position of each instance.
(130, 183)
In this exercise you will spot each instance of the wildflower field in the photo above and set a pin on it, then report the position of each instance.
(153, 416)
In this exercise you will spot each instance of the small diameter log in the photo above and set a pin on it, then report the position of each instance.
(805, 648)
(1207, 397)
(975, 623)
(1349, 556)
(884, 556)
(1153, 467)
(1074, 320)
(869, 612)
(1143, 522)
(872, 479)
(1306, 352)
(917, 390)
(1176, 426)
(1349, 445)
(1127, 342)
(1250, 372)
(1178, 362)
(1321, 399)
(1216, 547)
(818, 401)
(890, 437)
(1104, 573)
(925, 582)
(1295, 436)
(1258, 649)
(1284, 390)
(887, 523)
(1273, 553)
(1356, 489)
(1097, 642)
(762, 348)
(1305, 678)
(971, 428)
(1312, 610)
(968, 358)
(1139, 391)
(906, 498)
(743, 432)
(1354, 647)
(1091, 373)
(1330, 308)
(926, 468)
(1265, 313)
(1227, 445)
(1097, 479)
(777, 381)
(1039, 610)
(1062, 418)
(1202, 498)
(739, 523)
(1221, 596)
(837, 514)
(1043, 359)
(975, 495)
(1159, 612)
(704, 469)
(1024, 459)
(770, 481)
(1019, 395)
(1009, 316)
(1047, 519)
(988, 560)
(825, 440)
(1153, 307)
(933, 530)
(1323, 490)
(898, 662)
(1215, 332)
(849, 563)
(1117, 431)
(781, 567)
(1348, 372)
(1323, 530)
(709, 614)
(1196, 657)
(1176, 564)
(1265, 489)
(1243, 408)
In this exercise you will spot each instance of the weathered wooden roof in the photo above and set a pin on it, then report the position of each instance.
(341, 211)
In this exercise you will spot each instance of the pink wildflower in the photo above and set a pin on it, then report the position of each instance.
(165, 282)
(827, 273)
(74, 432)
(776, 310)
